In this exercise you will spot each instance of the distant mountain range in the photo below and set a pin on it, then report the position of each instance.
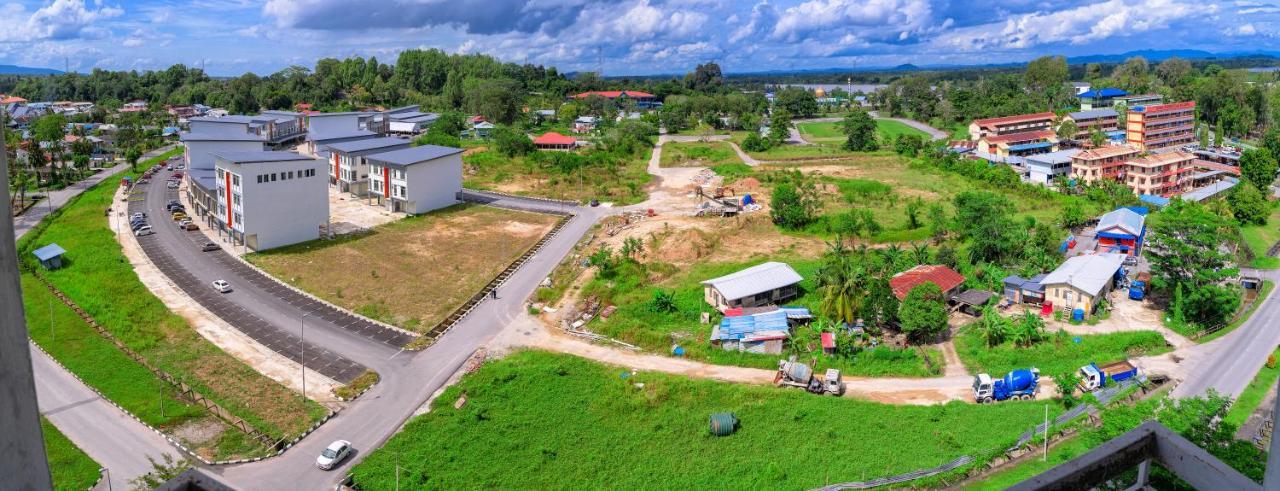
(26, 70)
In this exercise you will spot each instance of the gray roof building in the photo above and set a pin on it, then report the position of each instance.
(409, 156)
(1088, 273)
(1124, 219)
(757, 279)
(359, 146)
(262, 156)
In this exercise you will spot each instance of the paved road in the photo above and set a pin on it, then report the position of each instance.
(409, 379)
(1240, 354)
(97, 427)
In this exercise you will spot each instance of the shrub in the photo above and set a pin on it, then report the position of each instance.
(753, 143)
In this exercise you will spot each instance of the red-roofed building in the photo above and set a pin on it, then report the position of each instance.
(475, 120)
(947, 279)
(643, 100)
(12, 99)
(1161, 126)
(1019, 144)
(555, 141)
(1021, 123)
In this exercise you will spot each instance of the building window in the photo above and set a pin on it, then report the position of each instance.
(235, 198)
(290, 174)
(259, 178)
(235, 180)
(237, 218)
(273, 177)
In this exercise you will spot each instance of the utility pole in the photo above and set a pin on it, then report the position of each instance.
(25, 465)
(1046, 433)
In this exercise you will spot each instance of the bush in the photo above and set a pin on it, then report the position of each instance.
(753, 143)
(923, 315)
(793, 207)
(510, 142)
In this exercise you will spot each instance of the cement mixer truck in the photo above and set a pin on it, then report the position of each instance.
(1017, 385)
(796, 374)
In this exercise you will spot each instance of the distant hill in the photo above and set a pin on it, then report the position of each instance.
(26, 70)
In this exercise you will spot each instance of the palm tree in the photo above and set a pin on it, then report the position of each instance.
(841, 282)
(920, 253)
(992, 326)
(1028, 330)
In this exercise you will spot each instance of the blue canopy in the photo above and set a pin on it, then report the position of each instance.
(1103, 93)
(1029, 146)
(1159, 201)
(48, 252)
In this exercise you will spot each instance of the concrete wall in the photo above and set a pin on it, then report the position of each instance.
(332, 124)
(199, 154)
(433, 185)
(286, 211)
(201, 126)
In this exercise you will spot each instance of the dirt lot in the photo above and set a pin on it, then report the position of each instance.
(412, 272)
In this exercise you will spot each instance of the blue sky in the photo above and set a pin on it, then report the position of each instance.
(621, 36)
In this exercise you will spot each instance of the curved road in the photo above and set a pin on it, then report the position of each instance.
(1234, 359)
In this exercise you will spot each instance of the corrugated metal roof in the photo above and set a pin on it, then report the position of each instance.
(313, 135)
(369, 144)
(1206, 192)
(1088, 273)
(756, 279)
(263, 156)
(1126, 220)
(946, 279)
(742, 327)
(1094, 114)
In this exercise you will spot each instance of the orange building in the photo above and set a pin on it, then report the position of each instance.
(1161, 126)
(1160, 174)
(1022, 123)
(1101, 163)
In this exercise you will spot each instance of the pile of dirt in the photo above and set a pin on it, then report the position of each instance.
(747, 184)
(685, 246)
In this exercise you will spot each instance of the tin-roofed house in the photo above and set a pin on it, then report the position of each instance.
(763, 284)
(947, 280)
(417, 179)
(1081, 281)
(1121, 231)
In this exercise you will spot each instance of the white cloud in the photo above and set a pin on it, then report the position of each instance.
(1076, 26)
(887, 19)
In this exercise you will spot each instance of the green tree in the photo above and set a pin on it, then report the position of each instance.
(1248, 205)
(1067, 383)
(793, 206)
(985, 219)
(779, 127)
(939, 221)
(1046, 77)
(753, 143)
(1072, 215)
(1027, 330)
(131, 155)
(1067, 129)
(841, 283)
(511, 142)
(860, 132)
(797, 101)
(993, 327)
(914, 207)
(1258, 167)
(1188, 247)
(923, 313)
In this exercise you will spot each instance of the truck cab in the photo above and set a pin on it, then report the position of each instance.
(1091, 378)
(1021, 384)
(982, 389)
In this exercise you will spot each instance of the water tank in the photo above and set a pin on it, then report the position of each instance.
(723, 424)
(1077, 315)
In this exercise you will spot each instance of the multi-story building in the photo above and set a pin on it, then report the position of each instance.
(417, 179)
(1045, 167)
(270, 199)
(350, 169)
(1026, 143)
(1100, 98)
(1021, 123)
(277, 128)
(1107, 162)
(1139, 100)
(199, 150)
(1159, 174)
(1104, 120)
(1161, 126)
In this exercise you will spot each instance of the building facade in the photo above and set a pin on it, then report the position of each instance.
(1019, 144)
(270, 199)
(1105, 120)
(1043, 168)
(349, 167)
(1161, 126)
(1021, 123)
(1159, 174)
(416, 180)
(1107, 162)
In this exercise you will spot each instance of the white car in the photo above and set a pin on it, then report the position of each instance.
(333, 454)
(222, 286)
(143, 230)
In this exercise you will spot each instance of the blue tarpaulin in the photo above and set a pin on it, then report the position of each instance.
(1029, 146)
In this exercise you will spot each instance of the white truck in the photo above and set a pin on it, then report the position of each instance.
(796, 374)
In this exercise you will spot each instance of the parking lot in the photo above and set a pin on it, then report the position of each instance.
(257, 305)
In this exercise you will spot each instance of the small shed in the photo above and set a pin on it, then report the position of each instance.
(50, 256)
(972, 301)
(828, 343)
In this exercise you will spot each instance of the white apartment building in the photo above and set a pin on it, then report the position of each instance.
(270, 199)
(416, 180)
(349, 169)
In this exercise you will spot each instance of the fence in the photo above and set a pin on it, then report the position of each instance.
(184, 390)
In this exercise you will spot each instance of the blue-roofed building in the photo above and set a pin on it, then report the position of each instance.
(1100, 98)
(50, 256)
(763, 333)
(1121, 231)
(417, 179)
(1154, 200)
(1024, 290)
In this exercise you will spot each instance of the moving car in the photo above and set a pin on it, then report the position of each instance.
(222, 286)
(333, 454)
(209, 246)
(143, 230)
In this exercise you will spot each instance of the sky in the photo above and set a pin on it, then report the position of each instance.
(618, 37)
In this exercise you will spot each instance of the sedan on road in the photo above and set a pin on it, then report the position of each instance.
(333, 454)
(209, 246)
(143, 230)
(222, 286)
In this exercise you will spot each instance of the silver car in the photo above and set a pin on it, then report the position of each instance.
(333, 454)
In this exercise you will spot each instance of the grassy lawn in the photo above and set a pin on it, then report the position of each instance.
(698, 154)
(561, 422)
(1062, 453)
(72, 469)
(884, 183)
(413, 272)
(102, 282)
(632, 290)
(1058, 354)
(789, 152)
(1254, 393)
(831, 132)
(620, 184)
(1260, 238)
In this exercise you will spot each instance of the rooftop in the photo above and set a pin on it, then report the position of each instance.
(261, 156)
(1088, 273)
(946, 279)
(1164, 108)
(1094, 114)
(1014, 119)
(1103, 93)
(1124, 219)
(227, 134)
(1206, 192)
(756, 279)
(1106, 151)
(553, 138)
(369, 144)
(313, 135)
(48, 252)
(1163, 158)
(1023, 136)
(612, 94)
(1059, 157)
(413, 155)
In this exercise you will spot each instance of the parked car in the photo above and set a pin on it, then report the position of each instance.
(170, 167)
(143, 230)
(209, 246)
(138, 215)
(333, 454)
(222, 286)
(172, 185)
(191, 226)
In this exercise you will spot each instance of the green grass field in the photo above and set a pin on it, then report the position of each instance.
(1057, 354)
(1260, 238)
(1253, 394)
(831, 131)
(698, 154)
(537, 420)
(635, 322)
(623, 184)
(71, 468)
(102, 282)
